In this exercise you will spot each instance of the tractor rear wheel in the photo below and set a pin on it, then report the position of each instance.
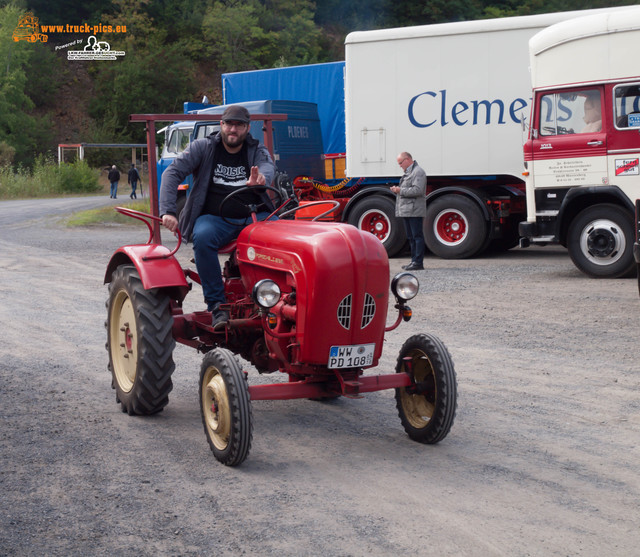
(428, 407)
(139, 342)
(225, 407)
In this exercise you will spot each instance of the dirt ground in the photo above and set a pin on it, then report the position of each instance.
(542, 458)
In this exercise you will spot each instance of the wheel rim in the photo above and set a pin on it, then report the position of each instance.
(376, 222)
(450, 227)
(123, 337)
(215, 404)
(419, 408)
(602, 242)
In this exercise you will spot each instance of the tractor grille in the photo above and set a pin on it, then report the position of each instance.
(368, 311)
(346, 306)
(344, 312)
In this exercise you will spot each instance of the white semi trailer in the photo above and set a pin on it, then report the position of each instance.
(455, 96)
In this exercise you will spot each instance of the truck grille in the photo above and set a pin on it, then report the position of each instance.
(368, 311)
(345, 308)
(344, 312)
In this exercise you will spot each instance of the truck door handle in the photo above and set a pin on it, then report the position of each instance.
(594, 143)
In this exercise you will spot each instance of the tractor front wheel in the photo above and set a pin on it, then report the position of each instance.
(225, 407)
(427, 408)
(139, 342)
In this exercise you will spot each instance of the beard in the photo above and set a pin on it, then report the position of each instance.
(234, 138)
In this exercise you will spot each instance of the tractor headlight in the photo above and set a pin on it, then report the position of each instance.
(266, 293)
(405, 286)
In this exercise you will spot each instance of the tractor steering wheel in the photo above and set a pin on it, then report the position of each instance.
(252, 208)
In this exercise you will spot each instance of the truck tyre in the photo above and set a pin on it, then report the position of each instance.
(181, 201)
(454, 227)
(428, 408)
(376, 214)
(225, 407)
(600, 241)
(139, 342)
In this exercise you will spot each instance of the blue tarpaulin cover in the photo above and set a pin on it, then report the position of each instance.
(322, 84)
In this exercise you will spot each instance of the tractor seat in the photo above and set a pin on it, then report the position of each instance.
(228, 248)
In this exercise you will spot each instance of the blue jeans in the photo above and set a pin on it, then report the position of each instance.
(114, 189)
(415, 235)
(210, 233)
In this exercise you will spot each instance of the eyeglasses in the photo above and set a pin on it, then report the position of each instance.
(400, 162)
(238, 125)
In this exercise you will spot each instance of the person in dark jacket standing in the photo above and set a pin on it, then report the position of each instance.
(220, 163)
(114, 178)
(133, 178)
(412, 207)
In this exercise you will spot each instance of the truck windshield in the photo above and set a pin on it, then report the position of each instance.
(627, 106)
(178, 140)
(574, 112)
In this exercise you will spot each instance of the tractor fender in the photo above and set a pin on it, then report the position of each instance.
(155, 265)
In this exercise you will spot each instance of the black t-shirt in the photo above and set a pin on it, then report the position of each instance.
(230, 171)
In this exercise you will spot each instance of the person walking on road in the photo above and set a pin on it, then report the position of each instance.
(133, 181)
(220, 163)
(114, 178)
(411, 206)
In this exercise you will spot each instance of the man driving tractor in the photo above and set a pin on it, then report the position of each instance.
(220, 163)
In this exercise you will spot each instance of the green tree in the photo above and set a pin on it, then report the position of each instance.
(234, 38)
(19, 127)
(151, 77)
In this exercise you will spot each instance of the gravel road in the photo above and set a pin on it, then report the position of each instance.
(542, 458)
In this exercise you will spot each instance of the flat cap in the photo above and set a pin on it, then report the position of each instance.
(236, 113)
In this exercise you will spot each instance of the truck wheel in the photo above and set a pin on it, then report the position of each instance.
(225, 407)
(376, 214)
(139, 342)
(181, 201)
(427, 409)
(600, 241)
(454, 227)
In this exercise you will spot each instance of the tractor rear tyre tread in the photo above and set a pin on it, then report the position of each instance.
(427, 417)
(145, 389)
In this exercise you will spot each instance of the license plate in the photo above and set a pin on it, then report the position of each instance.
(354, 355)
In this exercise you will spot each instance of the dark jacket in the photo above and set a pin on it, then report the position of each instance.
(411, 202)
(114, 175)
(133, 175)
(197, 159)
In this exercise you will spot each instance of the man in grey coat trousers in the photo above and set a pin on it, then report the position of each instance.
(412, 207)
(220, 163)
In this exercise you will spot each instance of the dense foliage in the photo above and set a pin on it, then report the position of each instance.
(175, 49)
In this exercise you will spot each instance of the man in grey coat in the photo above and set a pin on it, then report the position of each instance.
(220, 163)
(412, 207)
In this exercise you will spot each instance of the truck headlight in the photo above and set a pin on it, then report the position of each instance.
(266, 293)
(405, 286)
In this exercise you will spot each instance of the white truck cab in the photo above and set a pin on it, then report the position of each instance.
(582, 155)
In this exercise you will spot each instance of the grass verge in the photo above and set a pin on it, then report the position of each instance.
(108, 215)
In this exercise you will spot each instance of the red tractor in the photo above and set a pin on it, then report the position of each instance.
(306, 298)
